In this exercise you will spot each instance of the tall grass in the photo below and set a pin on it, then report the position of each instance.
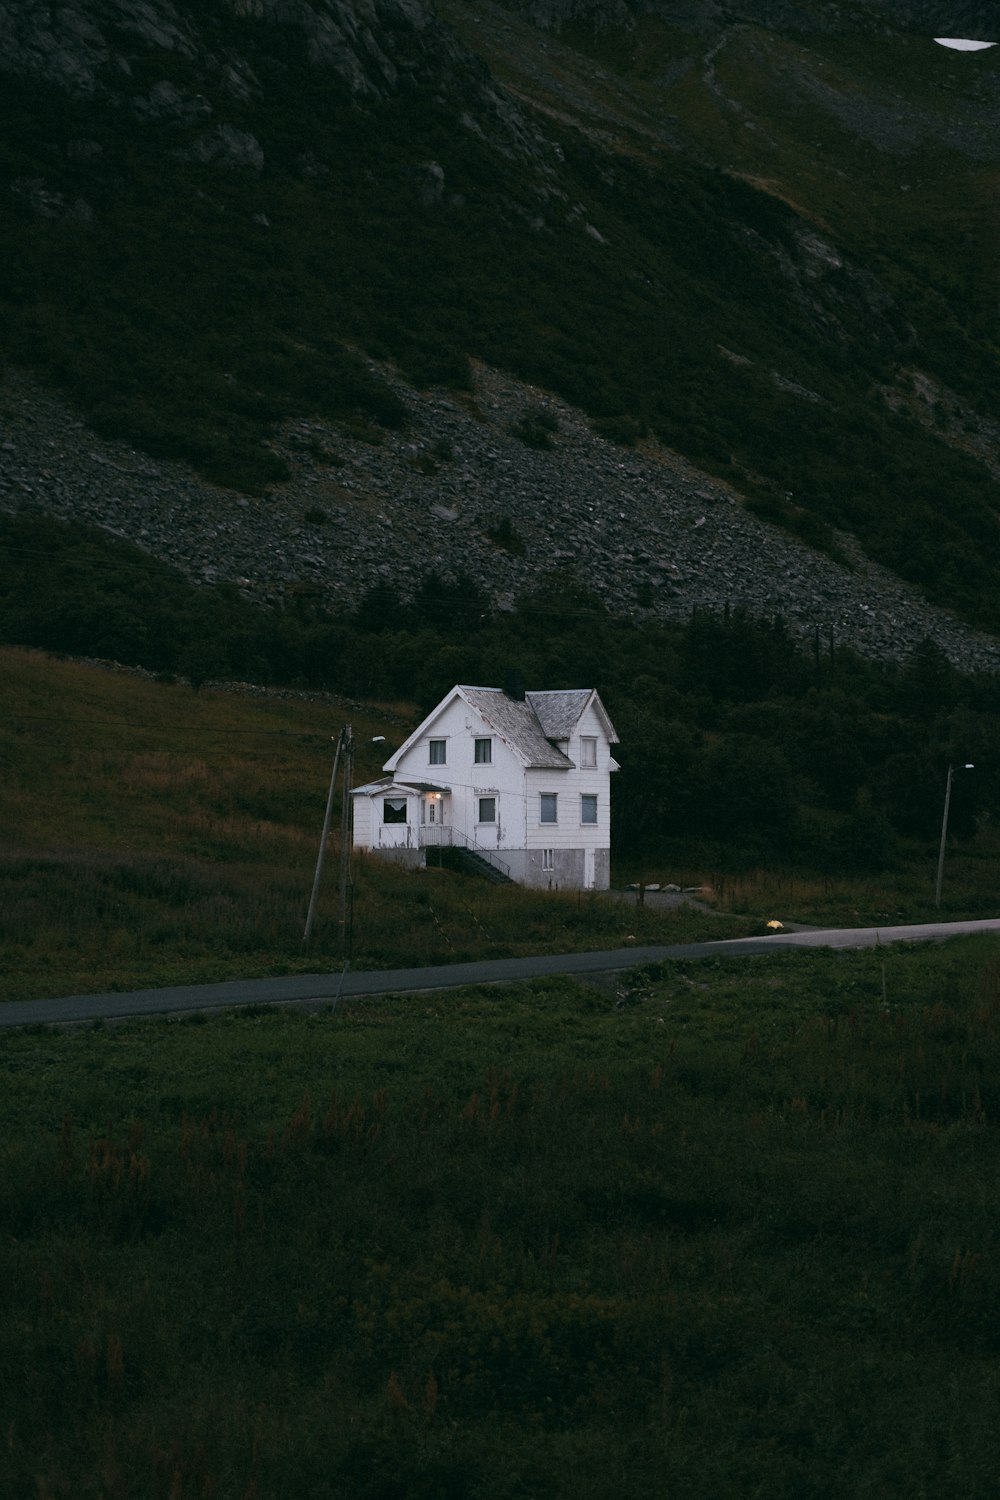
(731, 1238)
(904, 895)
(154, 835)
(151, 834)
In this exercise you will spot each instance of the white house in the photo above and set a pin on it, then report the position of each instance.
(524, 782)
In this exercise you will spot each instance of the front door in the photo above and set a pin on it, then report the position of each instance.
(432, 817)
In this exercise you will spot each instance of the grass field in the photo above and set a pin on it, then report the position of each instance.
(726, 1229)
(152, 835)
(156, 835)
(719, 1228)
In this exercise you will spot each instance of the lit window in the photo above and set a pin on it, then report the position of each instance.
(588, 807)
(588, 751)
(484, 752)
(547, 810)
(394, 810)
(548, 859)
(437, 752)
(487, 809)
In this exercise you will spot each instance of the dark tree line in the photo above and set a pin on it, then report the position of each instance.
(733, 733)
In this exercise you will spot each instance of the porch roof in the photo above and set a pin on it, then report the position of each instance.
(390, 784)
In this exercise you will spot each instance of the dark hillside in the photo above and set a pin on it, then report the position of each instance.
(722, 229)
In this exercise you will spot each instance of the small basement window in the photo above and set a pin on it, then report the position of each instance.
(547, 808)
(394, 810)
(588, 807)
(548, 859)
(484, 752)
(487, 809)
(437, 752)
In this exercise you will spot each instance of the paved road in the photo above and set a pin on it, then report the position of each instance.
(324, 988)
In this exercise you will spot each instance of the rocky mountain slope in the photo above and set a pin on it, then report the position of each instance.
(459, 490)
(695, 300)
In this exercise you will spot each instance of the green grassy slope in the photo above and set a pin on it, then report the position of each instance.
(156, 835)
(802, 783)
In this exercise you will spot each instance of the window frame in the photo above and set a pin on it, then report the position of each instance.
(588, 752)
(543, 799)
(548, 859)
(402, 801)
(488, 822)
(588, 799)
(434, 759)
(485, 743)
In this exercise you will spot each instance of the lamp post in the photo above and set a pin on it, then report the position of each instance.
(944, 828)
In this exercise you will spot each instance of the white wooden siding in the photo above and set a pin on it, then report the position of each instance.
(569, 832)
(362, 815)
(518, 829)
(502, 778)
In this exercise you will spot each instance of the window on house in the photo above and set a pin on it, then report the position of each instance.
(588, 807)
(487, 809)
(547, 809)
(394, 810)
(548, 859)
(588, 751)
(437, 752)
(484, 752)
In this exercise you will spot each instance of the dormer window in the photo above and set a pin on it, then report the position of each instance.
(588, 751)
(437, 752)
(483, 752)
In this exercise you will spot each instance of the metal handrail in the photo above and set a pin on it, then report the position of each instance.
(445, 834)
(487, 854)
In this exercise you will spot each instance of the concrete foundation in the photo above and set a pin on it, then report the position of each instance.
(526, 866)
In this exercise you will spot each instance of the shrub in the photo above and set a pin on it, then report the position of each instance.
(535, 427)
(502, 534)
(624, 430)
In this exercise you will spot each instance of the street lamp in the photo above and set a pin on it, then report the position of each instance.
(944, 827)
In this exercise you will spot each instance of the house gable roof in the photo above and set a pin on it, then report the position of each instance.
(528, 726)
(560, 712)
(518, 723)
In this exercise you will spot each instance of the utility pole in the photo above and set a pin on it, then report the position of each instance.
(325, 835)
(944, 828)
(345, 838)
